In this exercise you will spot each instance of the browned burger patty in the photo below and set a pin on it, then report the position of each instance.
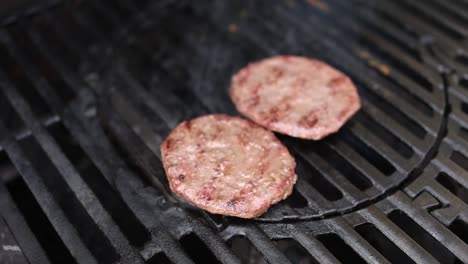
(296, 96)
(227, 165)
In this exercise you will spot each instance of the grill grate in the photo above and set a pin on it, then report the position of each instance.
(348, 162)
(80, 163)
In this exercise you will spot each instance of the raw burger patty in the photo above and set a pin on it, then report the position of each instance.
(296, 96)
(227, 165)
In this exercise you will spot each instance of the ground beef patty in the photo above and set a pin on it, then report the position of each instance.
(296, 96)
(227, 165)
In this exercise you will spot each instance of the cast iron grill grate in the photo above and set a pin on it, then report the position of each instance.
(90, 89)
(185, 57)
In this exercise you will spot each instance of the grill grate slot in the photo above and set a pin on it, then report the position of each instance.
(412, 126)
(380, 220)
(98, 243)
(159, 258)
(60, 49)
(463, 133)
(245, 251)
(464, 107)
(297, 200)
(397, 21)
(112, 202)
(50, 207)
(459, 159)
(62, 70)
(453, 186)
(379, 241)
(139, 154)
(294, 251)
(9, 116)
(424, 22)
(460, 228)
(452, 11)
(368, 153)
(11, 252)
(23, 84)
(463, 82)
(386, 136)
(433, 18)
(317, 180)
(44, 66)
(339, 248)
(14, 221)
(403, 65)
(38, 222)
(460, 3)
(423, 238)
(379, 25)
(24, 61)
(342, 165)
(462, 58)
(196, 249)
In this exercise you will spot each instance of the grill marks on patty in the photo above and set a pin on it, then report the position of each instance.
(228, 165)
(295, 96)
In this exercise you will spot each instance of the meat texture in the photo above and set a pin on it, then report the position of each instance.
(227, 165)
(296, 96)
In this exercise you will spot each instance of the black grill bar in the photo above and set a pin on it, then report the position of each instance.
(171, 118)
(160, 237)
(451, 9)
(157, 172)
(170, 248)
(354, 240)
(314, 247)
(41, 83)
(411, 73)
(52, 210)
(406, 41)
(71, 176)
(336, 178)
(445, 23)
(435, 228)
(214, 242)
(362, 165)
(31, 248)
(386, 150)
(263, 244)
(65, 73)
(425, 31)
(399, 238)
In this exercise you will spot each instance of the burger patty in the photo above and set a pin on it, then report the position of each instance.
(296, 96)
(227, 165)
